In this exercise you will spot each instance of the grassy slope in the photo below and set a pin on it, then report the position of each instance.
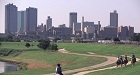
(108, 49)
(129, 70)
(34, 55)
(103, 49)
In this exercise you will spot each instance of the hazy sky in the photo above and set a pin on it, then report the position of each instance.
(92, 10)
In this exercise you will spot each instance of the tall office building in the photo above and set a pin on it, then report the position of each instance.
(49, 23)
(73, 19)
(31, 20)
(21, 21)
(114, 19)
(10, 19)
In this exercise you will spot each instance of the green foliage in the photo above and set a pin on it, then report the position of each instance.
(1, 38)
(135, 37)
(0, 44)
(7, 52)
(116, 39)
(9, 38)
(106, 38)
(44, 44)
(53, 47)
(16, 39)
(27, 45)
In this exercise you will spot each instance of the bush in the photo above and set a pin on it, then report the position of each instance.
(44, 44)
(116, 39)
(54, 47)
(27, 45)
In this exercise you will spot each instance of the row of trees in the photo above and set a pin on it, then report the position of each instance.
(9, 38)
(135, 37)
(45, 45)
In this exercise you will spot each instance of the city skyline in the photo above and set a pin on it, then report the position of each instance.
(60, 13)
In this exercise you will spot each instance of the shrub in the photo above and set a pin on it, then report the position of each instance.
(44, 44)
(54, 47)
(27, 45)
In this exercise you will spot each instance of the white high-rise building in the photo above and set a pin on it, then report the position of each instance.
(49, 23)
(10, 19)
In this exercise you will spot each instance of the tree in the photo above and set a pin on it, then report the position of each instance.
(9, 38)
(56, 39)
(44, 44)
(116, 39)
(135, 37)
(27, 45)
(1, 38)
(54, 47)
(106, 38)
(0, 44)
(16, 39)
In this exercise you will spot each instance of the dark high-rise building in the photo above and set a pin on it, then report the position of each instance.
(73, 19)
(49, 23)
(31, 20)
(10, 19)
(114, 19)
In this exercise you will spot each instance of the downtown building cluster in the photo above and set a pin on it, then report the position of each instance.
(20, 21)
(25, 23)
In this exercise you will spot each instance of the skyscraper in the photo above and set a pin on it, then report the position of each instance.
(114, 19)
(21, 21)
(49, 23)
(73, 19)
(82, 27)
(31, 19)
(10, 19)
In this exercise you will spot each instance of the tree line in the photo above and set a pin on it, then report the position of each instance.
(45, 45)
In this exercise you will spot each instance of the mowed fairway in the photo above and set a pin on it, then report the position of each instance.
(43, 62)
(111, 50)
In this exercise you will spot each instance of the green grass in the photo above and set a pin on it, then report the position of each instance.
(103, 49)
(107, 49)
(34, 55)
(18, 45)
(128, 70)
(70, 61)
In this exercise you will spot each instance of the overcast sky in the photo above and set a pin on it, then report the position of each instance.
(92, 10)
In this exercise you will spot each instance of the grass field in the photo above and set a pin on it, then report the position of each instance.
(46, 60)
(111, 50)
(128, 70)
(103, 49)
(43, 62)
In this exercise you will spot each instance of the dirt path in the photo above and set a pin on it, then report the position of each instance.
(86, 72)
(110, 60)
